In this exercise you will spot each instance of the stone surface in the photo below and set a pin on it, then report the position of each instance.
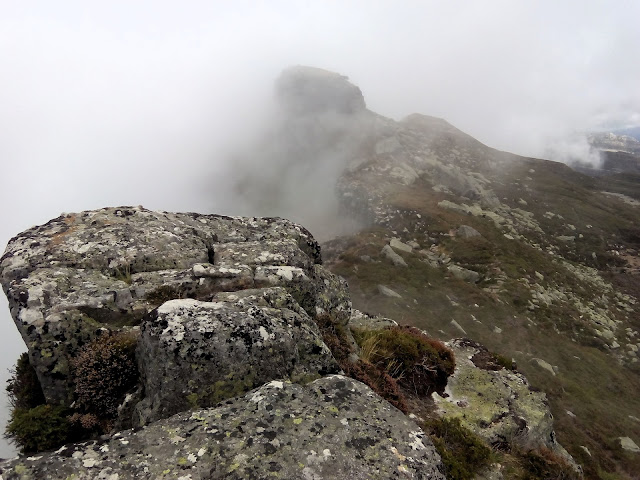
(464, 273)
(196, 354)
(497, 405)
(333, 428)
(628, 444)
(544, 365)
(302, 89)
(396, 244)
(387, 292)
(81, 274)
(363, 321)
(465, 231)
(396, 259)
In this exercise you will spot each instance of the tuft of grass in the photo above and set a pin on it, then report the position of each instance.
(417, 361)
(544, 464)
(335, 336)
(379, 381)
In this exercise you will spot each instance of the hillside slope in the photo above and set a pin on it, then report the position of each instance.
(525, 255)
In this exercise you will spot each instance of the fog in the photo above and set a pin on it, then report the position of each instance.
(128, 103)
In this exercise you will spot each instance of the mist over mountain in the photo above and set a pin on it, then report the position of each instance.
(174, 108)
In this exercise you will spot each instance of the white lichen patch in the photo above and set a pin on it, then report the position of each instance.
(416, 440)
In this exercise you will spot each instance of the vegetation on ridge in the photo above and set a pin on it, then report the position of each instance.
(104, 371)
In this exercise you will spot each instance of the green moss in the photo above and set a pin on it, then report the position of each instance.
(23, 387)
(232, 386)
(192, 398)
(41, 428)
(305, 378)
(463, 453)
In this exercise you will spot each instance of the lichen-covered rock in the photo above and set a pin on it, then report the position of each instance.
(496, 404)
(84, 273)
(196, 354)
(333, 428)
(363, 321)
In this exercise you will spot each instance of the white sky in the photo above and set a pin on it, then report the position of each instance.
(138, 102)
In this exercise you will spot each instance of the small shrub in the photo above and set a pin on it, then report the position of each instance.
(417, 361)
(104, 371)
(463, 453)
(336, 338)
(41, 428)
(379, 381)
(23, 388)
(505, 362)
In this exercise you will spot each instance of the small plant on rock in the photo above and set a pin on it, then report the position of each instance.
(416, 361)
(104, 370)
(336, 338)
(23, 387)
(40, 428)
(544, 464)
(463, 453)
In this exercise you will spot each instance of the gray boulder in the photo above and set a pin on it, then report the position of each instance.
(396, 244)
(333, 428)
(465, 231)
(464, 274)
(309, 90)
(82, 274)
(387, 292)
(396, 259)
(363, 321)
(196, 354)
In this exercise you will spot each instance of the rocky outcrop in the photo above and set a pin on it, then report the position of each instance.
(224, 310)
(82, 275)
(496, 403)
(302, 89)
(334, 427)
(196, 354)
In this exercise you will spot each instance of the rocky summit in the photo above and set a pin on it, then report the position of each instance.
(223, 309)
(235, 378)
(183, 345)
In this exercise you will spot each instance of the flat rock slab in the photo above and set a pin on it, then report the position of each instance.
(465, 231)
(333, 428)
(387, 292)
(396, 244)
(628, 444)
(196, 354)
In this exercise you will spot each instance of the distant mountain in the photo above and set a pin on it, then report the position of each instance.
(615, 142)
(631, 132)
(620, 154)
(528, 256)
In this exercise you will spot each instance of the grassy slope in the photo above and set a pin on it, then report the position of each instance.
(590, 383)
